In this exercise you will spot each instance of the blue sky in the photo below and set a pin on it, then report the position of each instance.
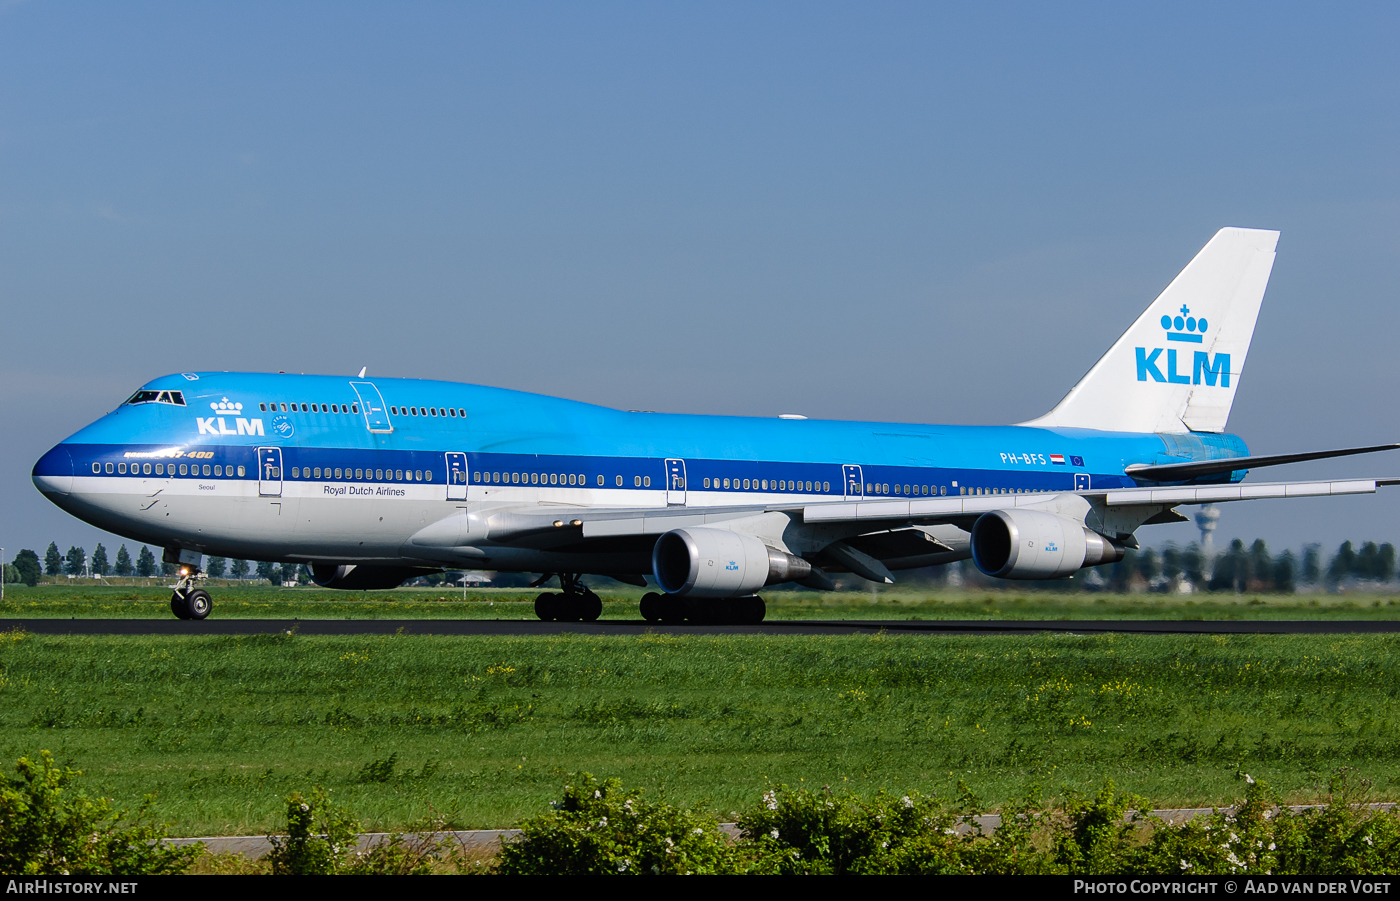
(918, 212)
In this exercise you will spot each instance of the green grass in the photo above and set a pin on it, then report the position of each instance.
(234, 601)
(486, 729)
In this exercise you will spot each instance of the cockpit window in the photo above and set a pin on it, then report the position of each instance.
(175, 398)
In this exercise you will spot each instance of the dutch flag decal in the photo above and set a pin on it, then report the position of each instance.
(1057, 459)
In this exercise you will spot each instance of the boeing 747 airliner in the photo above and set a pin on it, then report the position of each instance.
(372, 481)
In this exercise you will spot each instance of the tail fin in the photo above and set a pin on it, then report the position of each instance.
(1176, 369)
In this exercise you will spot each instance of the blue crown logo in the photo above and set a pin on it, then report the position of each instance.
(1188, 327)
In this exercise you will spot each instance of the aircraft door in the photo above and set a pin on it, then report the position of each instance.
(855, 482)
(456, 477)
(675, 483)
(1081, 481)
(372, 405)
(270, 471)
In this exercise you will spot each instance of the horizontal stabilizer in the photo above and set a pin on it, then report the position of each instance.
(1180, 472)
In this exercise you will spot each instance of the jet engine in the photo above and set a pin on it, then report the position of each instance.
(718, 563)
(362, 578)
(1030, 544)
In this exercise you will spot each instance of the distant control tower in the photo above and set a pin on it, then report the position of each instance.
(1206, 519)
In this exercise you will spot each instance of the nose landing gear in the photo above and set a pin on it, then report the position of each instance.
(189, 600)
(576, 604)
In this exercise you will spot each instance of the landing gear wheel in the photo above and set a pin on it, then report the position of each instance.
(672, 609)
(569, 607)
(547, 607)
(751, 611)
(652, 606)
(179, 606)
(590, 607)
(198, 603)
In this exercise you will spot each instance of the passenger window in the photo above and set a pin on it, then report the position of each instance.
(378, 475)
(646, 481)
(418, 475)
(219, 470)
(427, 475)
(636, 481)
(394, 410)
(461, 412)
(707, 483)
(476, 477)
(184, 470)
(109, 468)
(619, 481)
(262, 407)
(432, 411)
(337, 472)
(317, 473)
(746, 484)
(359, 473)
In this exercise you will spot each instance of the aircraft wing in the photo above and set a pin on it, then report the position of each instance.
(569, 524)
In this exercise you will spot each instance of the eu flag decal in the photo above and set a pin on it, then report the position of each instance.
(1076, 461)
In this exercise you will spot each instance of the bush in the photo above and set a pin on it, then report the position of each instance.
(804, 832)
(320, 836)
(322, 840)
(599, 829)
(48, 828)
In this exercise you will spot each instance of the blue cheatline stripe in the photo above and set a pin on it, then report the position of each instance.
(342, 464)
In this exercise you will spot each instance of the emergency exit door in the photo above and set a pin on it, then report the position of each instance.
(675, 483)
(855, 484)
(456, 477)
(270, 471)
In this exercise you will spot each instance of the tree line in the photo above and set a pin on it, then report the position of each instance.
(1237, 569)
(27, 566)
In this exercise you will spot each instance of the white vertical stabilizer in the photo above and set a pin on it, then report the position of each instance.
(1176, 369)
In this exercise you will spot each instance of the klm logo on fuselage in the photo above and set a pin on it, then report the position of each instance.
(216, 424)
(1204, 369)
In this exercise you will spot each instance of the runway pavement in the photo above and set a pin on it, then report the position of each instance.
(639, 627)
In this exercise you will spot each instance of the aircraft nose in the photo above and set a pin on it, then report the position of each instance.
(53, 474)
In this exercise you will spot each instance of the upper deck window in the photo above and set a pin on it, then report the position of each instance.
(144, 396)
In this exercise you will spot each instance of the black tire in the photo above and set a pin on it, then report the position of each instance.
(672, 609)
(590, 606)
(752, 611)
(568, 607)
(199, 603)
(652, 606)
(546, 607)
(179, 607)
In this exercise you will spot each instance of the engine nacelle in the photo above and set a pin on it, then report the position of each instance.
(718, 563)
(362, 578)
(1030, 544)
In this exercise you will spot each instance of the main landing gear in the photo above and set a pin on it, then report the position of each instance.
(669, 608)
(576, 604)
(189, 600)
